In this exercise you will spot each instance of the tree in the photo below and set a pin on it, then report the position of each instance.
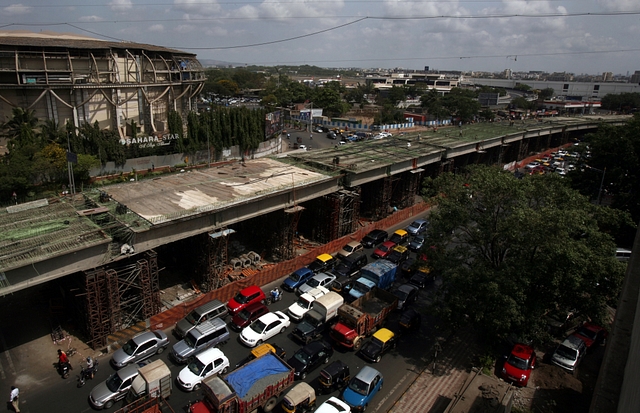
(432, 101)
(461, 103)
(329, 99)
(546, 93)
(624, 102)
(522, 103)
(511, 250)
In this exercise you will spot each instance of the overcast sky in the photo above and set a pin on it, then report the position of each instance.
(578, 36)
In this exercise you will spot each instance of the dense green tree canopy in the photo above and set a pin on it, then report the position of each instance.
(511, 250)
(625, 102)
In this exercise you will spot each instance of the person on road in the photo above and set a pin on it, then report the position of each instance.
(63, 359)
(14, 398)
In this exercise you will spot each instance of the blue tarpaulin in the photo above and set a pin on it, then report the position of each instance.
(242, 379)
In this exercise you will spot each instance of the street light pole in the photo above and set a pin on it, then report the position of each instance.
(601, 184)
(604, 171)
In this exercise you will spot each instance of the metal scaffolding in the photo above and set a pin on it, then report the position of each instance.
(290, 229)
(404, 195)
(115, 299)
(218, 256)
(344, 212)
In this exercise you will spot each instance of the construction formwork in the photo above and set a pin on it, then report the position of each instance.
(344, 213)
(406, 190)
(218, 258)
(115, 299)
(377, 196)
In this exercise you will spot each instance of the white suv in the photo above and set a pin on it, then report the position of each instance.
(205, 364)
(569, 353)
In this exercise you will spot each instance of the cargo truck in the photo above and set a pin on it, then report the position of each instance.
(361, 318)
(315, 321)
(381, 274)
(257, 384)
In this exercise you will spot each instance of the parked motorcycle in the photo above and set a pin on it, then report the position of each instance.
(87, 373)
(274, 295)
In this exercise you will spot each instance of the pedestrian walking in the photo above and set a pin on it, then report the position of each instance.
(14, 399)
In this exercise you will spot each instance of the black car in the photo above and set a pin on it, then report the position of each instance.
(309, 357)
(375, 237)
(334, 377)
(410, 319)
(342, 285)
(420, 279)
(350, 265)
(407, 267)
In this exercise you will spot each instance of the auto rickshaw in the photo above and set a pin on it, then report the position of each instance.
(334, 376)
(301, 398)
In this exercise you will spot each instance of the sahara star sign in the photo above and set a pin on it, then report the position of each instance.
(150, 141)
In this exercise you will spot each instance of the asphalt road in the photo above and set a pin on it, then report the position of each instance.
(399, 367)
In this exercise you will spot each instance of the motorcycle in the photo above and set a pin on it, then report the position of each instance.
(275, 295)
(87, 373)
(63, 369)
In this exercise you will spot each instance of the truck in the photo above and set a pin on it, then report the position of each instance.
(380, 273)
(298, 309)
(361, 318)
(316, 320)
(152, 382)
(256, 384)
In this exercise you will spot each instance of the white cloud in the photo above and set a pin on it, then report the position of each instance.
(89, 19)
(156, 28)
(16, 9)
(199, 8)
(121, 6)
(619, 5)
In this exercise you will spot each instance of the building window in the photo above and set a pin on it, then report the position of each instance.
(596, 88)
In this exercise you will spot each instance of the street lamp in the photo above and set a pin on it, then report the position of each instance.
(603, 171)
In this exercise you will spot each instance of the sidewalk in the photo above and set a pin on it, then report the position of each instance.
(434, 389)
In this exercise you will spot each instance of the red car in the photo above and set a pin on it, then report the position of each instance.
(383, 249)
(245, 298)
(244, 317)
(518, 365)
(591, 334)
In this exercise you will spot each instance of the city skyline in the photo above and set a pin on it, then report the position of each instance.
(575, 36)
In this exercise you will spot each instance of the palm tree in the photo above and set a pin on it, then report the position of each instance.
(21, 129)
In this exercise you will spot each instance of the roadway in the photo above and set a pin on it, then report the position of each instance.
(48, 392)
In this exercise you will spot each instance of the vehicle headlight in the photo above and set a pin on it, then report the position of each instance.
(504, 370)
(523, 377)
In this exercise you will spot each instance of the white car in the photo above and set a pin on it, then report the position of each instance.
(209, 362)
(265, 327)
(303, 147)
(333, 405)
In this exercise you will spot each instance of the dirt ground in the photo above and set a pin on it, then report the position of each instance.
(553, 390)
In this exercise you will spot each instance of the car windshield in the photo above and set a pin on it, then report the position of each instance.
(304, 303)
(358, 386)
(587, 333)
(342, 268)
(294, 277)
(383, 248)
(566, 352)
(240, 299)
(361, 288)
(196, 366)
(244, 315)
(302, 357)
(337, 406)
(130, 347)
(314, 282)
(114, 382)
(258, 326)
(374, 346)
(402, 295)
(190, 341)
(517, 362)
(192, 317)
(348, 248)
(415, 225)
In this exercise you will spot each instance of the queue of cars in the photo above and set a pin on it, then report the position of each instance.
(204, 330)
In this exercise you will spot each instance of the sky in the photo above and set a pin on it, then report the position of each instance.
(576, 36)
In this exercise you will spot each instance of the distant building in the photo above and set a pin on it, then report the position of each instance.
(67, 77)
(635, 77)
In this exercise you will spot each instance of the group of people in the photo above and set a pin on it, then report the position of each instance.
(63, 359)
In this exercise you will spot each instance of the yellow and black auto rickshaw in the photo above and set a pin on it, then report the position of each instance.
(333, 377)
(300, 399)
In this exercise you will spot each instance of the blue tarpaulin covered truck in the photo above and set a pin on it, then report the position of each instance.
(258, 383)
(380, 273)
